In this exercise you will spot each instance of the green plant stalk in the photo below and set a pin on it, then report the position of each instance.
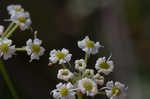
(86, 58)
(101, 93)
(63, 65)
(20, 49)
(11, 31)
(80, 96)
(7, 80)
(8, 29)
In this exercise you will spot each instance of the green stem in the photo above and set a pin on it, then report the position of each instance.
(64, 66)
(8, 29)
(7, 80)
(86, 58)
(80, 96)
(12, 30)
(102, 93)
(20, 49)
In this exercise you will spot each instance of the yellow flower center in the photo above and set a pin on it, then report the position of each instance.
(60, 55)
(87, 85)
(90, 44)
(22, 19)
(36, 48)
(104, 65)
(18, 9)
(116, 91)
(65, 73)
(4, 47)
(64, 91)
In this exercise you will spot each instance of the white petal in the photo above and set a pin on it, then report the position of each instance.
(108, 93)
(53, 52)
(65, 51)
(59, 85)
(42, 50)
(1, 29)
(29, 42)
(110, 84)
(34, 57)
(7, 41)
(6, 56)
(37, 41)
(28, 49)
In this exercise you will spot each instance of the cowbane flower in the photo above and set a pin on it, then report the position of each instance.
(89, 72)
(80, 64)
(64, 74)
(6, 50)
(34, 48)
(62, 56)
(99, 79)
(13, 9)
(115, 90)
(89, 46)
(64, 91)
(104, 66)
(1, 29)
(87, 86)
(22, 19)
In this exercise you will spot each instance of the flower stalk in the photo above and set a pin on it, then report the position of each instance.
(80, 96)
(8, 29)
(11, 31)
(20, 49)
(86, 58)
(8, 81)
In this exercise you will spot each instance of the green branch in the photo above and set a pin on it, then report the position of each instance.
(7, 80)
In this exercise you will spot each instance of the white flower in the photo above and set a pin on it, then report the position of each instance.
(22, 19)
(64, 74)
(89, 72)
(62, 56)
(1, 29)
(89, 46)
(99, 79)
(104, 66)
(34, 49)
(80, 64)
(13, 9)
(87, 86)
(114, 91)
(64, 91)
(6, 50)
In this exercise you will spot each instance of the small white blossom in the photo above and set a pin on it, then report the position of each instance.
(34, 48)
(115, 90)
(80, 64)
(89, 72)
(13, 9)
(64, 91)
(22, 19)
(99, 79)
(64, 74)
(87, 86)
(104, 66)
(1, 29)
(6, 50)
(89, 46)
(62, 56)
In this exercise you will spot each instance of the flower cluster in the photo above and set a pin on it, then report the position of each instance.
(19, 18)
(80, 80)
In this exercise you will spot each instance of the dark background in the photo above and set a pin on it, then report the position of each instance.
(122, 26)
